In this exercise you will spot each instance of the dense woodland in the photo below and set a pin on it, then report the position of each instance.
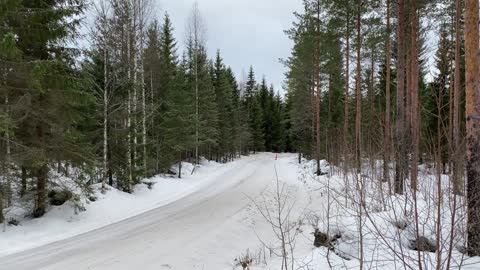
(362, 86)
(129, 108)
(376, 92)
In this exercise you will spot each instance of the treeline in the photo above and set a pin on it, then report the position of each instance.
(128, 108)
(363, 87)
(346, 68)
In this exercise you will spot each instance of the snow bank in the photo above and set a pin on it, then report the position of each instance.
(62, 222)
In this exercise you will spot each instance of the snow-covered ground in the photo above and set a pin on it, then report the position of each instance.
(200, 224)
(382, 231)
(62, 222)
(215, 217)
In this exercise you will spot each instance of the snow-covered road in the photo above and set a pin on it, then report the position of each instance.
(199, 231)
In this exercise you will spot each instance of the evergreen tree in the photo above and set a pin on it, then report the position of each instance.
(179, 118)
(299, 82)
(436, 97)
(208, 111)
(223, 93)
(287, 125)
(46, 75)
(168, 58)
(256, 125)
(265, 101)
(277, 139)
(238, 136)
(168, 82)
(8, 52)
(249, 104)
(152, 68)
(250, 88)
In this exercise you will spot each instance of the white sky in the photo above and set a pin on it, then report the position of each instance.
(247, 32)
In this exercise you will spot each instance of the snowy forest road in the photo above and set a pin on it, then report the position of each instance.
(203, 230)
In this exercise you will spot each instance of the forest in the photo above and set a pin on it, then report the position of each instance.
(129, 108)
(379, 86)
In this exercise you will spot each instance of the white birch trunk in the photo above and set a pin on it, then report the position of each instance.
(135, 83)
(105, 112)
(129, 110)
(195, 38)
(197, 122)
(142, 82)
(8, 192)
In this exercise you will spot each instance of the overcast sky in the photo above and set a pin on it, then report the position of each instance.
(247, 32)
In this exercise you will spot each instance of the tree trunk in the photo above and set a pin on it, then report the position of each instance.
(414, 114)
(144, 120)
(40, 204)
(400, 152)
(457, 152)
(129, 108)
(180, 168)
(358, 130)
(347, 89)
(135, 86)
(2, 217)
(197, 119)
(408, 90)
(8, 187)
(414, 95)
(23, 188)
(142, 21)
(317, 92)
(105, 111)
(450, 139)
(387, 133)
(473, 125)
(371, 106)
(129, 141)
(358, 95)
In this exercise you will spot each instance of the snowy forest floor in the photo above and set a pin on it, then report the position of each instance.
(225, 213)
(65, 221)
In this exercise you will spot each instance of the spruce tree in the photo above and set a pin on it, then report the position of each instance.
(435, 98)
(265, 101)
(167, 74)
(238, 136)
(277, 139)
(168, 58)
(46, 75)
(179, 118)
(223, 94)
(8, 52)
(287, 125)
(256, 125)
(299, 82)
(250, 88)
(207, 108)
(152, 69)
(249, 104)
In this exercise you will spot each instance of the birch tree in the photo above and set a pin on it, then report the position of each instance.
(387, 132)
(317, 86)
(103, 40)
(196, 31)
